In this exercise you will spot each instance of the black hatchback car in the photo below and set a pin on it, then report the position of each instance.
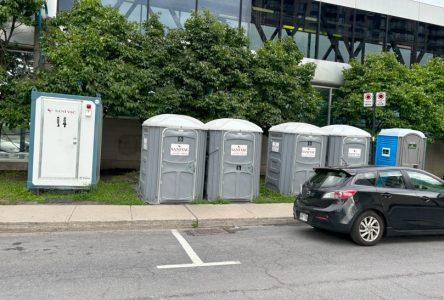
(369, 202)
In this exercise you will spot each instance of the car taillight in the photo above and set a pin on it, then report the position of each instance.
(340, 195)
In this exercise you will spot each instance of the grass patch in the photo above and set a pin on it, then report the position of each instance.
(268, 196)
(116, 189)
(206, 201)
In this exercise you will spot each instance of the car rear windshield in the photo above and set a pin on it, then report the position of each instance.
(328, 178)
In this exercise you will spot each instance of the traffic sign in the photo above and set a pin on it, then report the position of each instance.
(368, 99)
(380, 99)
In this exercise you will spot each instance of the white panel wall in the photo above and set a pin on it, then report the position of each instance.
(407, 9)
(327, 72)
(52, 7)
(428, 11)
(431, 14)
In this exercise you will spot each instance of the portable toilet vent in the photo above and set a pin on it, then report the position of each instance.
(347, 146)
(401, 147)
(234, 156)
(65, 141)
(294, 149)
(172, 159)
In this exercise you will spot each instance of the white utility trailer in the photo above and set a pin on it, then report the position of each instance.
(65, 141)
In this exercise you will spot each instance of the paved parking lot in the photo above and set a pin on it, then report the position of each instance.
(268, 262)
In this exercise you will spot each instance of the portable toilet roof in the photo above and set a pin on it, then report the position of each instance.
(227, 124)
(401, 132)
(174, 121)
(298, 128)
(345, 130)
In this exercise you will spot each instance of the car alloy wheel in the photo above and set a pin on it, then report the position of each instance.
(367, 229)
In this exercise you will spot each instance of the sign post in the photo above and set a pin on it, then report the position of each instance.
(380, 101)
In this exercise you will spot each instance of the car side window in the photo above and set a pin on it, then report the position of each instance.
(367, 179)
(391, 179)
(425, 182)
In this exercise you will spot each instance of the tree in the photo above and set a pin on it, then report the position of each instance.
(91, 51)
(210, 66)
(14, 14)
(283, 91)
(410, 103)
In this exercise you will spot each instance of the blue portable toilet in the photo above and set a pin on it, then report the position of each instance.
(401, 147)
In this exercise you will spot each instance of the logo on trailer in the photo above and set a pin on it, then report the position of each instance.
(62, 111)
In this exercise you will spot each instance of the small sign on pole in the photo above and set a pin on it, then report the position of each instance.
(368, 99)
(380, 99)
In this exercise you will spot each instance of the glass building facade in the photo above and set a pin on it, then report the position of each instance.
(321, 30)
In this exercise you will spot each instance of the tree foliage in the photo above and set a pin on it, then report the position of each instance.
(14, 14)
(204, 70)
(283, 91)
(412, 95)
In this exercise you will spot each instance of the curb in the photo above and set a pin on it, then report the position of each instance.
(29, 227)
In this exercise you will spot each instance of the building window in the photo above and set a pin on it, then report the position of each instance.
(266, 22)
(369, 34)
(300, 19)
(63, 5)
(173, 13)
(430, 42)
(14, 143)
(401, 39)
(133, 10)
(336, 34)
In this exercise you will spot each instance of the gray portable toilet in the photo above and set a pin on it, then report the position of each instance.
(172, 162)
(347, 146)
(294, 149)
(401, 147)
(234, 159)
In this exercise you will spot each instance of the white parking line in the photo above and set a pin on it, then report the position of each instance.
(197, 262)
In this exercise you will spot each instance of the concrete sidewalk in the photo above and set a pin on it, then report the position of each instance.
(28, 218)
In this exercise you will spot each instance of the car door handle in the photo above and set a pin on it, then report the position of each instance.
(425, 198)
(387, 195)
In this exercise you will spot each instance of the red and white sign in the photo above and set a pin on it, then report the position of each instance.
(380, 99)
(308, 152)
(180, 150)
(239, 150)
(368, 99)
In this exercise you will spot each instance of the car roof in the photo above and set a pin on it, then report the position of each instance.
(364, 169)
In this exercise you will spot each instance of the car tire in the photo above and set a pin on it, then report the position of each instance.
(367, 229)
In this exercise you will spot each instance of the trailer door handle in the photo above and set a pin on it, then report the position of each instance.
(74, 141)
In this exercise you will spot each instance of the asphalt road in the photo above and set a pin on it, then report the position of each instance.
(276, 262)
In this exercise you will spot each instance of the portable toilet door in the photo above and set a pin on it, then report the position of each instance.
(239, 164)
(348, 146)
(178, 165)
(412, 151)
(309, 154)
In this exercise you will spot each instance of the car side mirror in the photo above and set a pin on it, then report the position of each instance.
(441, 196)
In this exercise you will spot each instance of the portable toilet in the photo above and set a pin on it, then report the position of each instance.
(234, 159)
(172, 161)
(65, 141)
(401, 147)
(347, 146)
(294, 149)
